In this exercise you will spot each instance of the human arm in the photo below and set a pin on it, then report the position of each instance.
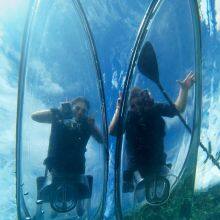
(95, 132)
(44, 116)
(113, 127)
(185, 85)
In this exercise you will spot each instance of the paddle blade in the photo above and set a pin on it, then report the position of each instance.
(147, 62)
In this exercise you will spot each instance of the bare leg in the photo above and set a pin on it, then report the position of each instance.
(39, 214)
(80, 208)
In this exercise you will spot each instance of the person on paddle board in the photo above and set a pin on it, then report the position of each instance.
(71, 128)
(145, 130)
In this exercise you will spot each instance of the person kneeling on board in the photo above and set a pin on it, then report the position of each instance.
(145, 130)
(71, 128)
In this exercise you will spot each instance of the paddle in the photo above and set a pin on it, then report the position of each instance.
(147, 64)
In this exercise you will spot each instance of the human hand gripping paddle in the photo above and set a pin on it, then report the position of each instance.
(147, 64)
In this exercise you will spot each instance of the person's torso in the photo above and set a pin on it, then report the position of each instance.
(69, 138)
(146, 131)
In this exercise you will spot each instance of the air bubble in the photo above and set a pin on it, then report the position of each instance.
(39, 201)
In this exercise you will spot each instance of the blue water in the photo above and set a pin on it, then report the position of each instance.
(114, 25)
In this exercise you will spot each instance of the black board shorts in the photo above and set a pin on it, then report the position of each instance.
(65, 165)
(144, 161)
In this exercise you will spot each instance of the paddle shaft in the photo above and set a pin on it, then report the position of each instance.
(209, 155)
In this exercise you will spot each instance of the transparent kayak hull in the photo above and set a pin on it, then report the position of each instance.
(173, 31)
(59, 63)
